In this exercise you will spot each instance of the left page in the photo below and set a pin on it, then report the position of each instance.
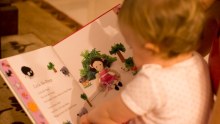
(43, 86)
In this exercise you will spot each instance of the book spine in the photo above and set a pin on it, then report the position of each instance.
(22, 94)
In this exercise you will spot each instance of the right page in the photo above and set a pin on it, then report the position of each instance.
(98, 57)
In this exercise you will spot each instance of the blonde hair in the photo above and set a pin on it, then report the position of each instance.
(173, 25)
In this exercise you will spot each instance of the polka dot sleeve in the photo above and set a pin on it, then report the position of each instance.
(139, 95)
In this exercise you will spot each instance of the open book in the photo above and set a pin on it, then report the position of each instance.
(57, 84)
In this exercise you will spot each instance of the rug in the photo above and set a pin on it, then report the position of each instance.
(39, 25)
(17, 44)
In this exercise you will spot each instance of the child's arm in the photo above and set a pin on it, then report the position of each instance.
(113, 111)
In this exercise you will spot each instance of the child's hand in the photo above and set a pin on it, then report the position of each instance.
(84, 119)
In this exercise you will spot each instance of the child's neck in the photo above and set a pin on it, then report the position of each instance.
(169, 62)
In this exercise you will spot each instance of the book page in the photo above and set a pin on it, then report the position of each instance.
(44, 86)
(97, 39)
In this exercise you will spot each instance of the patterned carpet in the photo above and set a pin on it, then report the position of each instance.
(40, 24)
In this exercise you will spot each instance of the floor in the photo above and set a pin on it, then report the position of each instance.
(83, 11)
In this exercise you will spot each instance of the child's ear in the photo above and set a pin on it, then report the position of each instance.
(152, 47)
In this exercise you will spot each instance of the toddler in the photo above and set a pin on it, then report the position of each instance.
(173, 84)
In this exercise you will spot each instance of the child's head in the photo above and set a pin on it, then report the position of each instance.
(171, 27)
(207, 3)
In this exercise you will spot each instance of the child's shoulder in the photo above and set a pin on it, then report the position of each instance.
(191, 66)
(194, 62)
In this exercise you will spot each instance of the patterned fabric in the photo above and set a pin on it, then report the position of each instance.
(10, 110)
(180, 94)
